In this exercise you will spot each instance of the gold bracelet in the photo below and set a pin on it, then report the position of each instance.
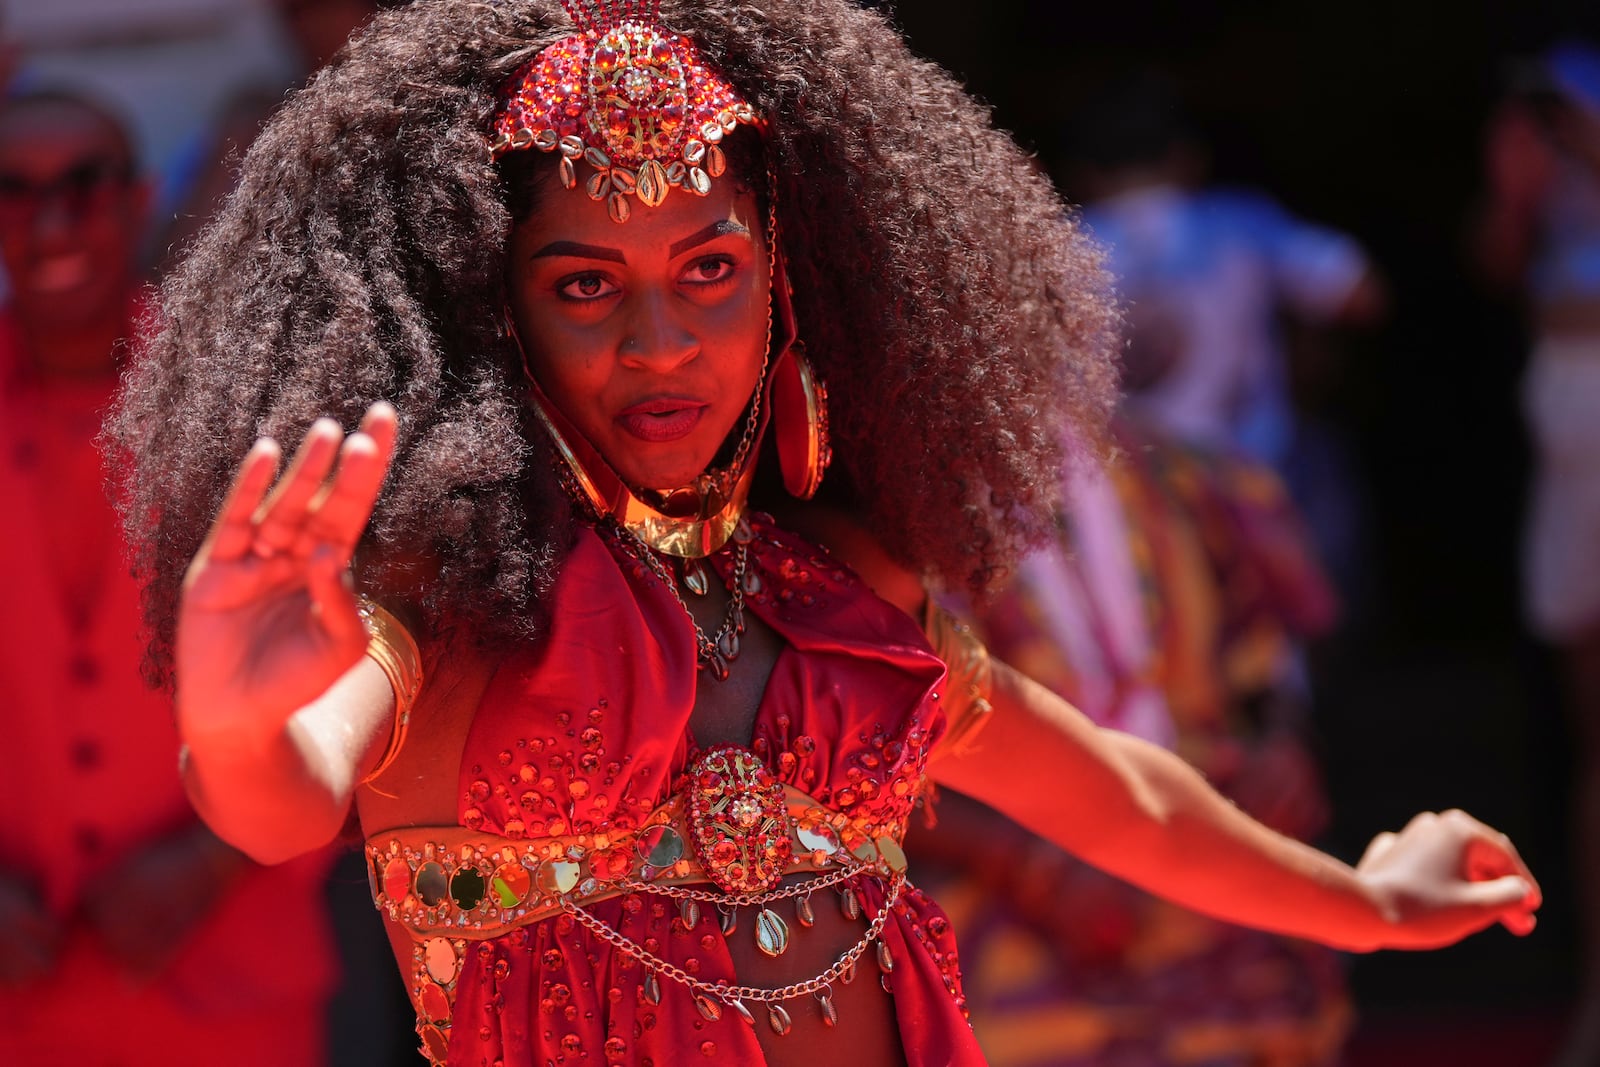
(391, 646)
(969, 678)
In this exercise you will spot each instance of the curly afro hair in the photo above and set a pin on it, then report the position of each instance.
(960, 317)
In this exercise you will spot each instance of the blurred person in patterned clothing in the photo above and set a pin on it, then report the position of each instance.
(1171, 609)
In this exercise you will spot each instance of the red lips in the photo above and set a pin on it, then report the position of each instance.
(662, 418)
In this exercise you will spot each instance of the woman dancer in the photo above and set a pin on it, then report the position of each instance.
(635, 790)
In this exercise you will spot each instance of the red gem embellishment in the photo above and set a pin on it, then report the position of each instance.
(637, 92)
(738, 820)
(629, 98)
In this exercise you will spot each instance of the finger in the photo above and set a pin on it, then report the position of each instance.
(234, 528)
(1491, 855)
(382, 423)
(1378, 848)
(1483, 862)
(1519, 917)
(1519, 922)
(381, 426)
(1487, 848)
(341, 510)
(1501, 894)
(278, 520)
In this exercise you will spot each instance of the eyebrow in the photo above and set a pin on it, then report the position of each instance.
(580, 251)
(720, 228)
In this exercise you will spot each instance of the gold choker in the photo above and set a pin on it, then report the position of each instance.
(708, 512)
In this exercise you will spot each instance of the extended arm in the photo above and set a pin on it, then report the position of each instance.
(1144, 815)
(280, 712)
(1141, 813)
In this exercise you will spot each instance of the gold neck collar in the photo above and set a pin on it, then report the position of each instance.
(691, 523)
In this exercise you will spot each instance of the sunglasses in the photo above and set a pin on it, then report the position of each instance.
(83, 189)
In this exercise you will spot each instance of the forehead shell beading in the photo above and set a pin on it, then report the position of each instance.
(634, 101)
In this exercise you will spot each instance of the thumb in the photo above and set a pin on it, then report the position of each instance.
(1499, 893)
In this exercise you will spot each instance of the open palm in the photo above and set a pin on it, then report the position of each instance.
(268, 620)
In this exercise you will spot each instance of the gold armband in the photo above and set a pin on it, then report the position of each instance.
(969, 677)
(391, 646)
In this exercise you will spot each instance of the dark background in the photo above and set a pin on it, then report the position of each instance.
(1369, 117)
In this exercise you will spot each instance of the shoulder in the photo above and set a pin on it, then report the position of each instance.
(847, 539)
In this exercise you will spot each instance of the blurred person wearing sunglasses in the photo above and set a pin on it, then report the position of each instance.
(129, 934)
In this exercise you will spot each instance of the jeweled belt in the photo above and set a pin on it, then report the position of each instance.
(733, 825)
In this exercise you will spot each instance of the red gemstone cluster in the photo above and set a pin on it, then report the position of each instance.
(739, 820)
(634, 101)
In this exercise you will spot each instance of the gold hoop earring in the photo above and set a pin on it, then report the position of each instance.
(800, 424)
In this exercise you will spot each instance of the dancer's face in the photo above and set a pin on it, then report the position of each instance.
(648, 335)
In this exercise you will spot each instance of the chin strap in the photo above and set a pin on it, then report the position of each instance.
(693, 522)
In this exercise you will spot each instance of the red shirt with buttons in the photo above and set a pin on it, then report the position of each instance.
(88, 773)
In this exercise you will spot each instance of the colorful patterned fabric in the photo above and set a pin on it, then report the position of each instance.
(1067, 966)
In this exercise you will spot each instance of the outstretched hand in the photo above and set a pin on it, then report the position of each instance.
(268, 620)
(1446, 876)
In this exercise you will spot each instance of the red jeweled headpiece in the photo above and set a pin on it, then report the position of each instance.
(629, 97)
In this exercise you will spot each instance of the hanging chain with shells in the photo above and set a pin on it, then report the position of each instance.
(710, 998)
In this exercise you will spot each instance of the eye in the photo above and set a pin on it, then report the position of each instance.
(710, 270)
(582, 288)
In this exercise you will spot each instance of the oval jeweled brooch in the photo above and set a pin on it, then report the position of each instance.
(738, 820)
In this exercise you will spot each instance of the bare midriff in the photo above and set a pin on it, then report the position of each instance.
(866, 1034)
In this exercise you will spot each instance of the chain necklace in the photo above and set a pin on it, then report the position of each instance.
(710, 997)
(713, 652)
(747, 900)
(752, 422)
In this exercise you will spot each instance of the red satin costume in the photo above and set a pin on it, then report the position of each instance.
(588, 732)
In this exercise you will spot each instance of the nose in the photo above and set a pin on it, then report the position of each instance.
(54, 216)
(656, 338)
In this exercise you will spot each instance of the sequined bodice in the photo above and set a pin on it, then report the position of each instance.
(590, 732)
(526, 954)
